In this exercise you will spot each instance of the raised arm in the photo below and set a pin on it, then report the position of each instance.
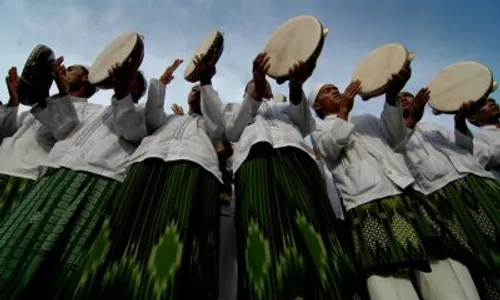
(256, 90)
(8, 112)
(298, 109)
(58, 112)
(463, 136)
(211, 108)
(59, 115)
(238, 116)
(130, 121)
(483, 144)
(155, 105)
(300, 114)
(331, 136)
(397, 134)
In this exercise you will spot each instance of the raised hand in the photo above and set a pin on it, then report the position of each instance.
(205, 67)
(347, 98)
(177, 109)
(168, 75)
(418, 105)
(121, 76)
(398, 81)
(466, 110)
(12, 81)
(299, 73)
(59, 74)
(259, 70)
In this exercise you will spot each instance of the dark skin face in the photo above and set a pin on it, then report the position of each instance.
(328, 100)
(406, 100)
(76, 76)
(488, 114)
(194, 99)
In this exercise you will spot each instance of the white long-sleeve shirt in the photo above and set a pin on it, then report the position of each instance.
(361, 153)
(279, 124)
(435, 160)
(97, 146)
(31, 135)
(8, 121)
(331, 188)
(188, 137)
(483, 144)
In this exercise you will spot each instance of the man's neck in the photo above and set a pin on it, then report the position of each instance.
(492, 123)
(330, 114)
(77, 94)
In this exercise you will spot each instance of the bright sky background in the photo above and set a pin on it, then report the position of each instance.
(441, 32)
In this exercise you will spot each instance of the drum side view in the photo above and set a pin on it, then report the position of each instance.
(37, 75)
(128, 46)
(300, 38)
(212, 46)
(376, 68)
(458, 83)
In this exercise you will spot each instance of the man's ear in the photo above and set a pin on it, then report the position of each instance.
(473, 119)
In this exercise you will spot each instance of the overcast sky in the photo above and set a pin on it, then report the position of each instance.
(441, 32)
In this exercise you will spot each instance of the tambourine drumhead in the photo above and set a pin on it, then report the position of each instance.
(376, 68)
(297, 39)
(208, 43)
(118, 50)
(458, 83)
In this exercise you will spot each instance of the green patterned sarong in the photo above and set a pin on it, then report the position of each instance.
(286, 232)
(465, 217)
(43, 241)
(12, 190)
(386, 236)
(160, 238)
(466, 213)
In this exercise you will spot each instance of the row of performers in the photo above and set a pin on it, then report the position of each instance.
(123, 201)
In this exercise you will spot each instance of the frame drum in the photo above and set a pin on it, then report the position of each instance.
(128, 45)
(300, 38)
(212, 45)
(375, 70)
(37, 75)
(459, 83)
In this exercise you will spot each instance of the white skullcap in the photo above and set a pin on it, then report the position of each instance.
(314, 94)
(86, 67)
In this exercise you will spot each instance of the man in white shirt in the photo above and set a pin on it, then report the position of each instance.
(45, 239)
(361, 152)
(163, 233)
(456, 196)
(287, 245)
(484, 142)
(26, 139)
(228, 264)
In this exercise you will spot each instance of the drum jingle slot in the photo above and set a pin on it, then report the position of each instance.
(494, 86)
(411, 56)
